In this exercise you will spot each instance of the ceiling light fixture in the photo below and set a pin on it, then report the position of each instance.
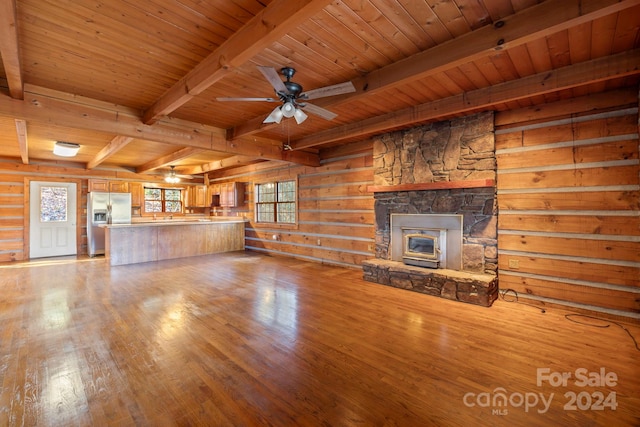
(288, 109)
(65, 149)
(300, 116)
(172, 178)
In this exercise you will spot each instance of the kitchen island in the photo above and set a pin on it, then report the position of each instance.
(168, 239)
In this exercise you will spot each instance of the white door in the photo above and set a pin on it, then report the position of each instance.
(52, 219)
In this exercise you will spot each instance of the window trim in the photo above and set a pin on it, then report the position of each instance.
(281, 225)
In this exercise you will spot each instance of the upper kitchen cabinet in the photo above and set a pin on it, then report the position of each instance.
(135, 188)
(227, 194)
(103, 185)
(196, 196)
(118, 187)
(99, 185)
(231, 194)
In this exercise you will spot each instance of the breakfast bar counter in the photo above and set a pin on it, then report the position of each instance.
(168, 239)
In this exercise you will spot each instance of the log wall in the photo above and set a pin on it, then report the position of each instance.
(568, 199)
(14, 189)
(11, 217)
(335, 210)
(14, 215)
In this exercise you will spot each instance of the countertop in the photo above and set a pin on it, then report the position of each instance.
(179, 221)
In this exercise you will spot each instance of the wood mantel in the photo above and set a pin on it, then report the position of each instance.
(440, 185)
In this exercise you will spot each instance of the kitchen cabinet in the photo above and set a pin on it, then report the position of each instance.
(103, 185)
(196, 196)
(231, 194)
(213, 195)
(118, 187)
(200, 198)
(135, 188)
(100, 185)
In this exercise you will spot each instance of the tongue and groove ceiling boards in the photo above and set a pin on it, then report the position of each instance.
(138, 84)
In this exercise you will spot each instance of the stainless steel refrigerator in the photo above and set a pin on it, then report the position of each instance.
(105, 208)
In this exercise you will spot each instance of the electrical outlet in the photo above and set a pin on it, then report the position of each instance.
(318, 242)
(514, 263)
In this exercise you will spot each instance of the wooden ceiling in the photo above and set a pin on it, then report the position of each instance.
(136, 83)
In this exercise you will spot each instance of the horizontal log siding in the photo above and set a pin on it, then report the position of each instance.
(569, 206)
(14, 223)
(11, 217)
(14, 174)
(335, 211)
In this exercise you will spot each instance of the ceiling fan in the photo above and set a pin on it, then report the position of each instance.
(293, 99)
(173, 178)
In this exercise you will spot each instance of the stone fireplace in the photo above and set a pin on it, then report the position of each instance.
(438, 180)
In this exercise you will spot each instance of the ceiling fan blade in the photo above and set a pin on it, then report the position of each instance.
(339, 89)
(248, 99)
(319, 111)
(273, 77)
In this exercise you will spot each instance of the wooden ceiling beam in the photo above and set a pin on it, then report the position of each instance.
(229, 162)
(21, 132)
(116, 144)
(533, 23)
(176, 156)
(268, 26)
(9, 51)
(65, 110)
(597, 70)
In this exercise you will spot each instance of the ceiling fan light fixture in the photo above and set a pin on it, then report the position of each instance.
(300, 116)
(275, 116)
(172, 178)
(288, 109)
(65, 149)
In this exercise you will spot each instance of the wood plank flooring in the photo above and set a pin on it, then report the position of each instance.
(245, 339)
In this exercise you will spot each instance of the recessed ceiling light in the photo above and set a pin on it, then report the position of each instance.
(65, 149)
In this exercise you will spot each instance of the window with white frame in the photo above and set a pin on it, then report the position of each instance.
(276, 202)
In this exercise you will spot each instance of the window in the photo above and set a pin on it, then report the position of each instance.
(53, 204)
(162, 200)
(276, 202)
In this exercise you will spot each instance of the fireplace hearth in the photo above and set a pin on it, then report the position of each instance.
(473, 288)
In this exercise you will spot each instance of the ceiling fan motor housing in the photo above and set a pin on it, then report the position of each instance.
(294, 88)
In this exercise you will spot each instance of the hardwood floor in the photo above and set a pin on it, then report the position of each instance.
(244, 339)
